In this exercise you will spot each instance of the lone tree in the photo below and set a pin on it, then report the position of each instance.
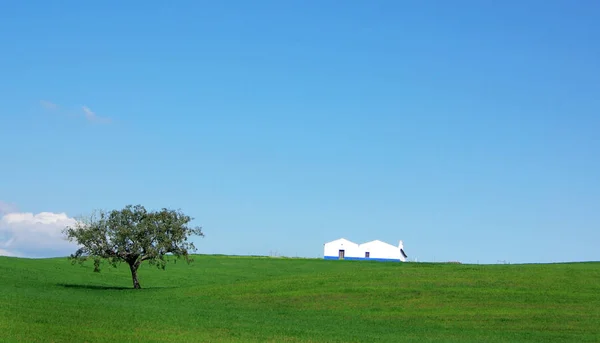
(132, 235)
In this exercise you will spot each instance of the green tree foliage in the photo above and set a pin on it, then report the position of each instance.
(132, 235)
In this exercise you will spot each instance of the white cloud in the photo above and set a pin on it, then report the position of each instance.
(91, 116)
(7, 253)
(35, 235)
(7, 208)
(82, 111)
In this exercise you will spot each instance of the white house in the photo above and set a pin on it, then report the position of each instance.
(343, 249)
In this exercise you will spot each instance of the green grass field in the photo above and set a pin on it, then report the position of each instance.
(246, 299)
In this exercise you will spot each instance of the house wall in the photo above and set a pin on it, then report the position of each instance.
(331, 249)
(378, 251)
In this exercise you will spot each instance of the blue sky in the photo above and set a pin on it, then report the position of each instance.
(467, 129)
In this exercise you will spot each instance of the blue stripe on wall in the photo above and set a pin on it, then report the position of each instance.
(363, 259)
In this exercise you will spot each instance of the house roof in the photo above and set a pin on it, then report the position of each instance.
(342, 240)
(376, 241)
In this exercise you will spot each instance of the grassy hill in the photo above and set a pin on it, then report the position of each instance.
(246, 299)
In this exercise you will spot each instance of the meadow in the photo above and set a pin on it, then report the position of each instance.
(253, 299)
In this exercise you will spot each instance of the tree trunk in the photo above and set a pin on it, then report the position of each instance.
(134, 267)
